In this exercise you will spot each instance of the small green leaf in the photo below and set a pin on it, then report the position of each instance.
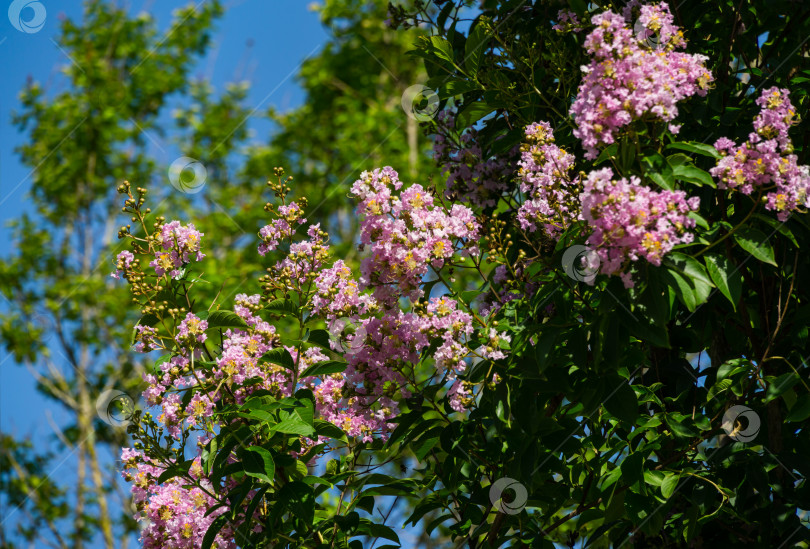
(755, 243)
(623, 404)
(280, 356)
(299, 498)
(676, 423)
(328, 429)
(696, 273)
(319, 338)
(475, 46)
(472, 113)
(780, 385)
(293, 425)
(281, 307)
(632, 468)
(669, 484)
(258, 463)
(226, 319)
(607, 153)
(175, 470)
(663, 181)
(213, 531)
(725, 276)
(694, 147)
(442, 48)
(800, 410)
(693, 174)
(325, 368)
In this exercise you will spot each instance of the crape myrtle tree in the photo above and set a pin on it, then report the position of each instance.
(125, 98)
(622, 362)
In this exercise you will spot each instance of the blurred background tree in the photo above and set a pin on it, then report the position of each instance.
(66, 319)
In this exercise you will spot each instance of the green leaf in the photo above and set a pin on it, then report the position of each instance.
(700, 221)
(665, 182)
(615, 507)
(452, 88)
(719, 387)
(213, 530)
(293, 425)
(779, 385)
(329, 429)
(226, 319)
(679, 428)
(325, 368)
(623, 404)
(258, 463)
(669, 484)
(280, 356)
(607, 153)
(725, 276)
(632, 468)
(688, 278)
(299, 498)
(755, 243)
(281, 307)
(693, 174)
(442, 48)
(778, 226)
(319, 338)
(474, 47)
(175, 470)
(379, 531)
(694, 147)
(800, 410)
(472, 113)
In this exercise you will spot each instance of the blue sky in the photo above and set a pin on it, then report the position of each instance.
(282, 35)
(256, 40)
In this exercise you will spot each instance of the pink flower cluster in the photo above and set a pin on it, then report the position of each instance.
(281, 228)
(407, 234)
(551, 202)
(633, 74)
(630, 221)
(146, 339)
(179, 243)
(471, 178)
(765, 160)
(174, 514)
(338, 294)
(191, 331)
(238, 362)
(305, 257)
(123, 261)
(567, 20)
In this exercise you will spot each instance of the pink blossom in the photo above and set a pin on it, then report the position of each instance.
(551, 203)
(123, 261)
(178, 244)
(632, 74)
(631, 221)
(766, 159)
(407, 234)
